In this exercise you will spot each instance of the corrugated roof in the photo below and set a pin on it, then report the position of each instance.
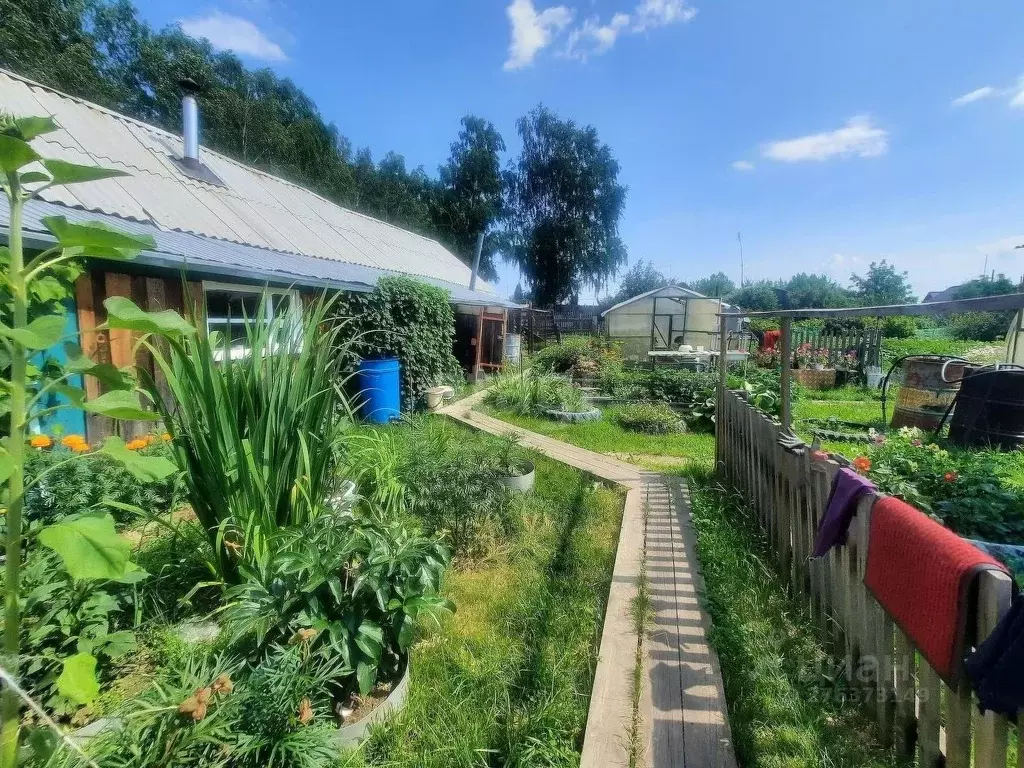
(207, 257)
(253, 209)
(677, 290)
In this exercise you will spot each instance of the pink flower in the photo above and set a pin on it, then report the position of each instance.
(916, 443)
(879, 439)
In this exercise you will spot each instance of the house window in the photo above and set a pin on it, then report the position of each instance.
(229, 306)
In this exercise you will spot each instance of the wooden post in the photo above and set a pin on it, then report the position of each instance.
(787, 376)
(479, 342)
(723, 383)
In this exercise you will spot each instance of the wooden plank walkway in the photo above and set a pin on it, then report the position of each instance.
(682, 713)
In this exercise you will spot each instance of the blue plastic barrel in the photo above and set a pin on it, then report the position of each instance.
(380, 390)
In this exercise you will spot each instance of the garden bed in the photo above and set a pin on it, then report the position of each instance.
(509, 673)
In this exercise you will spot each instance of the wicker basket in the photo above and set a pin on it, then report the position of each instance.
(808, 377)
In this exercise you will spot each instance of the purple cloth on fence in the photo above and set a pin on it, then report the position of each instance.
(847, 488)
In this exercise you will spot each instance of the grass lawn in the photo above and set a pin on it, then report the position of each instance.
(606, 436)
(788, 702)
(506, 680)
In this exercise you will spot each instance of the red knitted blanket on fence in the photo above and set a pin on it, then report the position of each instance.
(921, 573)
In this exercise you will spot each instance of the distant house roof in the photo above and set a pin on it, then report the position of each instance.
(946, 295)
(674, 290)
(255, 222)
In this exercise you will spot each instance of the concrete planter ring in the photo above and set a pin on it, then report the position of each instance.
(521, 482)
(593, 414)
(355, 733)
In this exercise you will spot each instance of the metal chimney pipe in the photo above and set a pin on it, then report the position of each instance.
(190, 121)
(476, 260)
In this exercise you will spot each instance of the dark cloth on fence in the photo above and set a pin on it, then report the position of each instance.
(921, 573)
(840, 509)
(996, 668)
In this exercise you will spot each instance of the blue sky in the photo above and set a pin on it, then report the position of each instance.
(830, 134)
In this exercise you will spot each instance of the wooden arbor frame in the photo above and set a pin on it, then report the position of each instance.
(1009, 301)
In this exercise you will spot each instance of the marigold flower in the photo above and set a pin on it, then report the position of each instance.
(223, 684)
(304, 635)
(950, 477)
(40, 441)
(80, 447)
(136, 445)
(70, 441)
(862, 464)
(193, 707)
(166, 437)
(305, 711)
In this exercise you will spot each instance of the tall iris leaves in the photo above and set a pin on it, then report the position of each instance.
(257, 430)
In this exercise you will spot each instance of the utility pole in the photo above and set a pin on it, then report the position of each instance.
(739, 239)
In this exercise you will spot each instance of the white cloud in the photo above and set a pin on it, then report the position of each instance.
(660, 13)
(743, 165)
(532, 31)
(1016, 93)
(594, 38)
(976, 95)
(232, 33)
(859, 137)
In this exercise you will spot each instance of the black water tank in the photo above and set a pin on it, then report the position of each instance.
(989, 410)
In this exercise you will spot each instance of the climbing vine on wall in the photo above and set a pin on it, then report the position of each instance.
(410, 320)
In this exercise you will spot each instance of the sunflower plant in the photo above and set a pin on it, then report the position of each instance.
(88, 546)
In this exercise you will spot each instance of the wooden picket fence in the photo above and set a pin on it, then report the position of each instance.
(916, 713)
(867, 343)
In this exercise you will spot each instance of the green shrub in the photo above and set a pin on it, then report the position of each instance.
(575, 352)
(447, 481)
(531, 394)
(76, 486)
(979, 326)
(899, 327)
(258, 438)
(670, 385)
(408, 319)
(63, 617)
(354, 584)
(652, 418)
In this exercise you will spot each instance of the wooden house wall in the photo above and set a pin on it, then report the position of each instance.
(116, 346)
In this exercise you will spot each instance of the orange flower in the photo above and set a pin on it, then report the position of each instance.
(73, 442)
(862, 464)
(950, 477)
(166, 437)
(136, 444)
(80, 447)
(40, 441)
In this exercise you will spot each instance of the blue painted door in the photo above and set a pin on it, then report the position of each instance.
(66, 421)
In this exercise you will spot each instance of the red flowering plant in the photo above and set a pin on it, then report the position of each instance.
(970, 491)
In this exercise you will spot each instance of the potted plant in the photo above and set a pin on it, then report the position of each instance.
(514, 469)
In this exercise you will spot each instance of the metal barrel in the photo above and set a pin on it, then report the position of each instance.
(924, 395)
